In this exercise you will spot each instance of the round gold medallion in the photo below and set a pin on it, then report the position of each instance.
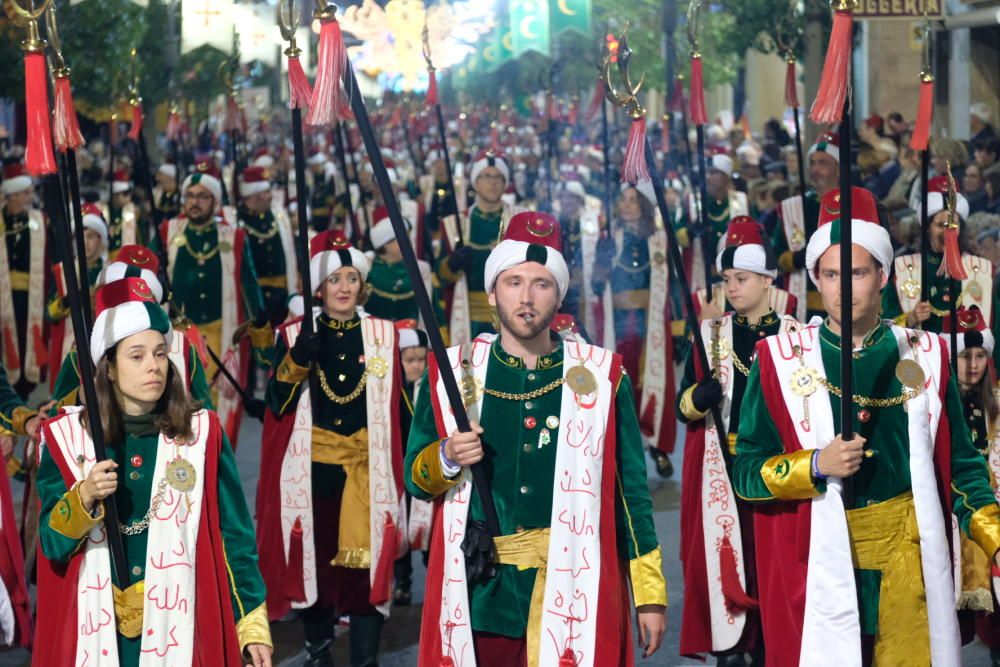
(181, 475)
(180, 241)
(471, 388)
(581, 381)
(910, 374)
(225, 246)
(659, 258)
(804, 381)
(975, 290)
(798, 237)
(911, 288)
(378, 367)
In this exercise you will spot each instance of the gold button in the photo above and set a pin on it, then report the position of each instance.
(134, 475)
(527, 446)
(341, 356)
(338, 422)
(531, 376)
(524, 489)
(341, 377)
(528, 405)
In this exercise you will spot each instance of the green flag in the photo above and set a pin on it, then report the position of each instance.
(570, 15)
(529, 25)
(498, 48)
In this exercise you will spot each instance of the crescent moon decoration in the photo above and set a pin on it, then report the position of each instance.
(488, 54)
(564, 9)
(508, 40)
(525, 30)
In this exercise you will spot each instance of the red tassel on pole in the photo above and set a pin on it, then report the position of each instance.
(65, 127)
(829, 104)
(634, 169)
(325, 106)
(952, 265)
(432, 87)
(39, 159)
(595, 102)
(299, 90)
(699, 116)
(174, 126)
(791, 89)
(922, 127)
(136, 128)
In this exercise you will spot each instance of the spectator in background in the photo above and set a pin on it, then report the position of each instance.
(992, 185)
(909, 164)
(775, 133)
(976, 228)
(988, 243)
(775, 170)
(791, 158)
(972, 187)
(879, 168)
(905, 231)
(987, 152)
(757, 196)
(897, 127)
(773, 193)
(979, 123)
(944, 149)
(748, 157)
(870, 131)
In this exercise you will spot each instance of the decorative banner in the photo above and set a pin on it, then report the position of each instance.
(498, 49)
(899, 9)
(259, 36)
(529, 24)
(570, 15)
(207, 22)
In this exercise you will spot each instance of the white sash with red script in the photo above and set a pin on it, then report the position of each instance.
(574, 570)
(36, 305)
(169, 585)
(655, 373)
(793, 218)
(288, 247)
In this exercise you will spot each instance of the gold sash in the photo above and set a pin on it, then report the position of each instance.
(885, 538)
(529, 549)
(351, 452)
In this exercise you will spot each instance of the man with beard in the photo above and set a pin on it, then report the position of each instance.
(555, 423)
(461, 266)
(214, 283)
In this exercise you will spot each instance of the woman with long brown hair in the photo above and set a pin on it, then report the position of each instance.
(194, 594)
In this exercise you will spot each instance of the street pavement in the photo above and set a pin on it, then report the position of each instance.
(399, 639)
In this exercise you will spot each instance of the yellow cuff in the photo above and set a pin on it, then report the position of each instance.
(447, 274)
(786, 261)
(427, 473)
(290, 372)
(254, 628)
(683, 238)
(984, 529)
(648, 584)
(19, 417)
(70, 518)
(261, 338)
(789, 476)
(57, 310)
(900, 320)
(687, 405)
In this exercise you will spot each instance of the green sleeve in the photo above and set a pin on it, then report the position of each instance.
(423, 432)
(67, 386)
(51, 491)
(757, 442)
(634, 509)
(239, 544)
(891, 308)
(280, 396)
(253, 298)
(9, 400)
(970, 477)
(197, 381)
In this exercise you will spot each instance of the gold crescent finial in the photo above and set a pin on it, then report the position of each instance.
(626, 99)
(693, 19)
(28, 18)
(288, 23)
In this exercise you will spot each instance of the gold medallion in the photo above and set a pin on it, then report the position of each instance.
(910, 374)
(225, 246)
(471, 388)
(378, 367)
(798, 237)
(581, 381)
(180, 241)
(911, 288)
(975, 290)
(804, 381)
(659, 258)
(552, 422)
(181, 475)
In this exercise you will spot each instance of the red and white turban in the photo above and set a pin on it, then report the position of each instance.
(133, 261)
(826, 143)
(125, 308)
(93, 220)
(253, 181)
(972, 331)
(937, 198)
(15, 179)
(866, 230)
(330, 251)
(489, 159)
(530, 237)
(745, 247)
(207, 174)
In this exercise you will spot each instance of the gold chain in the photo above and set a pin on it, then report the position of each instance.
(263, 236)
(336, 398)
(136, 527)
(631, 269)
(867, 402)
(202, 257)
(739, 365)
(402, 296)
(16, 229)
(480, 246)
(526, 396)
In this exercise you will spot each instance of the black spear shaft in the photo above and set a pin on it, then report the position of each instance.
(419, 292)
(55, 203)
(708, 253)
(925, 227)
(352, 215)
(447, 165)
(111, 162)
(688, 161)
(81, 246)
(146, 179)
(677, 266)
(606, 177)
(357, 180)
(229, 376)
(846, 295)
(954, 291)
(798, 151)
(302, 233)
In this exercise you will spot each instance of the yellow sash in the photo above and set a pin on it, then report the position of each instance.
(351, 452)
(529, 549)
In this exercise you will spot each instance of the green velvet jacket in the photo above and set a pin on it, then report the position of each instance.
(390, 292)
(115, 229)
(268, 253)
(136, 459)
(520, 457)
(13, 411)
(484, 234)
(884, 475)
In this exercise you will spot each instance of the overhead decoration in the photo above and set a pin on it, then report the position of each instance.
(207, 22)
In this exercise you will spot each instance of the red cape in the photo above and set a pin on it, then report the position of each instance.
(215, 639)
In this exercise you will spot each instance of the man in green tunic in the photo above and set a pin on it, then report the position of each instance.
(891, 545)
(390, 292)
(527, 436)
(126, 226)
(269, 236)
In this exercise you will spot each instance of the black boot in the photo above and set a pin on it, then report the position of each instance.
(318, 653)
(664, 467)
(318, 626)
(366, 634)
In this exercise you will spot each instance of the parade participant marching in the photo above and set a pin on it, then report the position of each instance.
(980, 396)
(126, 226)
(185, 349)
(436, 189)
(322, 192)
(194, 595)
(390, 294)
(22, 281)
(413, 346)
(556, 422)
(798, 216)
(631, 276)
(166, 196)
(271, 241)
(95, 237)
(581, 225)
(873, 580)
(337, 451)
(903, 303)
(717, 547)
(215, 284)
(461, 266)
